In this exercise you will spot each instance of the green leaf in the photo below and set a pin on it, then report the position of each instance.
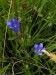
(52, 47)
(43, 2)
(4, 69)
(12, 38)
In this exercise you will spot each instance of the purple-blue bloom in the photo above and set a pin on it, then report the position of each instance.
(38, 49)
(14, 24)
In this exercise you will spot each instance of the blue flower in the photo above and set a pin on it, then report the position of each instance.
(14, 24)
(38, 49)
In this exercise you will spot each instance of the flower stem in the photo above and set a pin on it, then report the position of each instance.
(5, 37)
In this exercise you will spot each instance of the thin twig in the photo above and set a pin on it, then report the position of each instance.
(13, 67)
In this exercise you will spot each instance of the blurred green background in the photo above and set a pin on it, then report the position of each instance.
(38, 24)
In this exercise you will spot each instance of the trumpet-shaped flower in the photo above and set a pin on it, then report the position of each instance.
(14, 24)
(38, 49)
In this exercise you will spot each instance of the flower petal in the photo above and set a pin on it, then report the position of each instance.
(13, 20)
(36, 46)
(41, 46)
(43, 49)
(38, 49)
(35, 50)
(40, 53)
(16, 29)
(19, 20)
(14, 25)
(8, 23)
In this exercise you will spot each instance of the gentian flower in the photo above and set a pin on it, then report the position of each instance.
(38, 49)
(14, 24)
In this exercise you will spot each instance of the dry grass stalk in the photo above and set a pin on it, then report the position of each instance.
(51, 55)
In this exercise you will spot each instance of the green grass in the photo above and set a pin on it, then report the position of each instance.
(38, 24)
